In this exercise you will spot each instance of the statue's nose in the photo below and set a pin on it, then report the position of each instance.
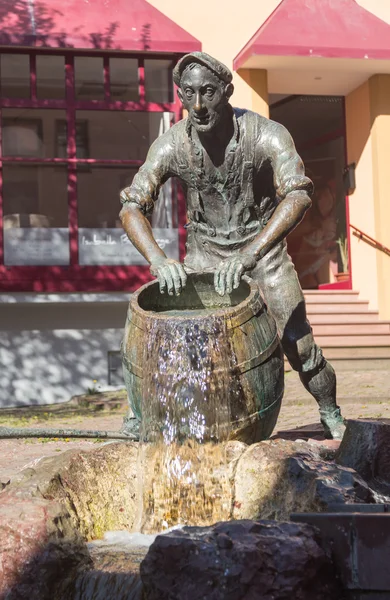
(198, 106)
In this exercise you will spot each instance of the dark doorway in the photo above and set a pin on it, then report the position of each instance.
(318, 246)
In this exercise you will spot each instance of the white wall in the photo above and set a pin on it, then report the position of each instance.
(52, 351)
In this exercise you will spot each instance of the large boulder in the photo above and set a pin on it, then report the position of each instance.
(97, 487)
(40, 552)
(366, 448)
(48, 512)
(276, 478)
(240, 560)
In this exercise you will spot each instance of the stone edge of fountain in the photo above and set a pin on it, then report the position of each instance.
(49, 512)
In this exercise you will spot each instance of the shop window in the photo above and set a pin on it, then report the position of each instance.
(31, 132)
(120, 135)
(124, 79)
(101, 237)
(35, 214)
(41, 178)
(158, 81)
(15, 75)
(50, 77)
(89, 78)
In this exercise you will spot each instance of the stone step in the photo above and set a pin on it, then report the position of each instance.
(350, 341)
(360, 353)
(357, 328)
(334, 299)
(337, 307)
(323, 297)
(353, 364)
(355, 358)
(330, 292)
(370, 316)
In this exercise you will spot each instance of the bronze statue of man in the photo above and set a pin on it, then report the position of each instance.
(246, 190)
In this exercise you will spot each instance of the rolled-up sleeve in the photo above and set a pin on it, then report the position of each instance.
(288, 168)
(145, 188)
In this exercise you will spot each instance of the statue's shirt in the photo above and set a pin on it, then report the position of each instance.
(228, 206)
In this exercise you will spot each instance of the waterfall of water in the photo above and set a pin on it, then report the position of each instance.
(185, 414)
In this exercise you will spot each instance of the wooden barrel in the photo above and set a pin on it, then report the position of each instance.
(249, 374)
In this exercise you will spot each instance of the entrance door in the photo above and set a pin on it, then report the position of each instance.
(319, 245)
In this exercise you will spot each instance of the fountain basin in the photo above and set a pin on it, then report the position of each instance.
(232, 338)
(50, 512)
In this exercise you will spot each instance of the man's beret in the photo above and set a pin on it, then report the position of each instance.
(205, 60)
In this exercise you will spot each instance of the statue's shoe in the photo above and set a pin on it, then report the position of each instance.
(130, 427)
(333, 424)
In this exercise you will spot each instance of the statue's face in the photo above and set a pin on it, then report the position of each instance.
(204, 96)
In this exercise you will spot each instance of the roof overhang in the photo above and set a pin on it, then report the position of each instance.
(122, 25)
(318, 47)
(328, 76)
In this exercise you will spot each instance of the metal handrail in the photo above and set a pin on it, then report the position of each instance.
(369, 240)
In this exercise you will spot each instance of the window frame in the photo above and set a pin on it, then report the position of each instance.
(75, 277)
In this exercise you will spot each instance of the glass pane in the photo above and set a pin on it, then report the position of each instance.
(35, 220)
(158, 81)
(50, 77)
(33, 132)
(102, 240)
(317, 244)
(121, 135)
(309, 118)
(124, 79)
(89, 78)
(103, 184)
(15, 75)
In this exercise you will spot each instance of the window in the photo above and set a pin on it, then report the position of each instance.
(124, 79)
(31, 132)
(119, 135)
(89, 78)
(74, 131)
(35, 215)
(115, 373)
(158, 80)
(50, 77)
(15, 75)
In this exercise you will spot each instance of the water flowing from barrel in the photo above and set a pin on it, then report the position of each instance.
(185, 417)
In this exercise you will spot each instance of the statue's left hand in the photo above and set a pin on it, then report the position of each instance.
(228, 275)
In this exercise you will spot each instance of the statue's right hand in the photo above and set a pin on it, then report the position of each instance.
(170, 274)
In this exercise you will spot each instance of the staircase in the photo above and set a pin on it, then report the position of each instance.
(351, 335)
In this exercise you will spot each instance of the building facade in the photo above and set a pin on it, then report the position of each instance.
(85, 89)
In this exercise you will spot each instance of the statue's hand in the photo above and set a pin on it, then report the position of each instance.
(228, 274)
(170, 274)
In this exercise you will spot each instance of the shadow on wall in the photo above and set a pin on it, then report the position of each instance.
(49, 353)
(35, 23)
(45, 367)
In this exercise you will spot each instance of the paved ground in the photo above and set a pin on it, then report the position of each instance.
(364, 394)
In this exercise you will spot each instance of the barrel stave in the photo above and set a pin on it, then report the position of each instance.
(263, 383)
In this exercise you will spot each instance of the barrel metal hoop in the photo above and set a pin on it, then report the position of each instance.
(254, 417)
(134, 369)
(250, 364)
(243, 367)
(138, 321)
(271, 406)
(232, 322)
(250, 311)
